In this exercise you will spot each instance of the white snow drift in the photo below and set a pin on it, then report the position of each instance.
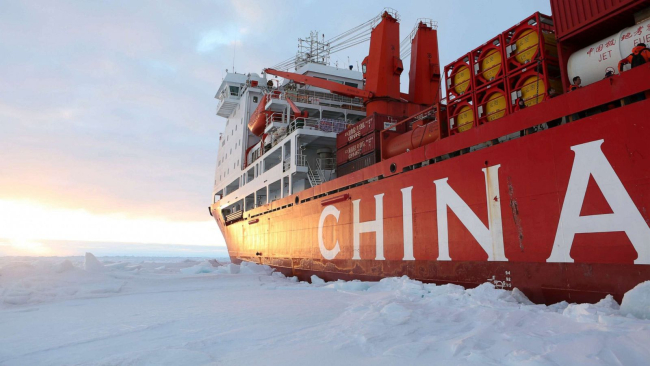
(87, 311)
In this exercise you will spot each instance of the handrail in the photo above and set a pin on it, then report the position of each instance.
(320, 124)
(301, 160)
(314, 97)
(274, 117)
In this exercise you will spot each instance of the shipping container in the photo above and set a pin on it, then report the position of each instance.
(373, 123)
(357, 164)
(593, 19)
(492, 102)
(462, 114)
(358, 148)
(530, 41)
(458, 77)
(532, 87)
(489, 62)
(581, 30)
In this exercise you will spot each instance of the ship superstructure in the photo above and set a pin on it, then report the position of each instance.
(507, 177)
(291, 152)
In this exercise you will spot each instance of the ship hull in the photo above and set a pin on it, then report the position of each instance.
(561, 214)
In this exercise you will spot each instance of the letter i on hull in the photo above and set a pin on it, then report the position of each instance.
(407, 220)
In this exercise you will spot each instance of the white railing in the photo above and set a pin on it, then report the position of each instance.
(274, 117)
(301, 160)
(314, 97)
(319, 124)
(315, 177)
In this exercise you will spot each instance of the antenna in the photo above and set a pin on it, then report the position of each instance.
(234, 50)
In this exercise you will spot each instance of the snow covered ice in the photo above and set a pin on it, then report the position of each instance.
(157, 311)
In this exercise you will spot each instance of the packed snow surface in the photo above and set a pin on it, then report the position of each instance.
(148, 311)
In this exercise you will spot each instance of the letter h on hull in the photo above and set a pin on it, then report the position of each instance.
(376, 226)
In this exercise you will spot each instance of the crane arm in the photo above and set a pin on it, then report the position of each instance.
(296, 111)
(336, 88)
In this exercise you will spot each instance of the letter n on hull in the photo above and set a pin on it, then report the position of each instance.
(489, 238)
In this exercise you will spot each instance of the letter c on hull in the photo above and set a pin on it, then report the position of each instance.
(328, 254)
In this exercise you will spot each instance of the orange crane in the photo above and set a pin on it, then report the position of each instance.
(381, 70)
(295, 109)
(336, 88)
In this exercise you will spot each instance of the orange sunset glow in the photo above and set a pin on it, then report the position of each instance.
(24, 223)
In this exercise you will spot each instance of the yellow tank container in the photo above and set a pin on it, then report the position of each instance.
(527, 45)
(465, 118)
(461, 80)
(491, 64)
(495, 106)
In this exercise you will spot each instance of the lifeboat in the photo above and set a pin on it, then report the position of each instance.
(257, 122)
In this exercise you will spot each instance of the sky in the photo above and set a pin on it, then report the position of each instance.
(108, 126)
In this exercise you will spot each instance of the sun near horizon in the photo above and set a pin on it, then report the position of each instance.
(25, 223)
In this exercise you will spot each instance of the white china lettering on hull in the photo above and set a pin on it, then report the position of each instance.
(590, 161)
(376, 226)
(407, 220)
(328, 254)
(489, 238)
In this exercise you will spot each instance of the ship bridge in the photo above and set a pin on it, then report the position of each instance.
(231, 90)
(295, 152)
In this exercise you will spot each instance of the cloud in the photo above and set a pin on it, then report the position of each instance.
(216, 38)
(108, 107)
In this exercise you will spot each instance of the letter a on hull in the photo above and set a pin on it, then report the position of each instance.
(590, 161)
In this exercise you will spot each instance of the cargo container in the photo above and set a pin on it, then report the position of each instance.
(357, 164)
(533, 39)
(492, 102)
(358, 148)
(583, 29)
(458, 78)
(489, 62)
(593, 18)
(532, 86)
(373, 123)
(462, 115)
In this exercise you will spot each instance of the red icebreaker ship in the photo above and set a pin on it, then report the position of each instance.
(500, 175)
